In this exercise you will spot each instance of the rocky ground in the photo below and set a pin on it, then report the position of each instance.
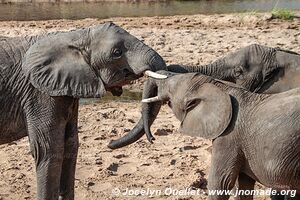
(173, 161)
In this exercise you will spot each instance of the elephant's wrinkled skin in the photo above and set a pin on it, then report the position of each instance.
(255, 67)
(42, 79)
(256, 137)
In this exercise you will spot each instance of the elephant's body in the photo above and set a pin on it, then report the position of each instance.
(255, 67)
(266, 134)
(42, 79)
(256, 137)
(12, 118)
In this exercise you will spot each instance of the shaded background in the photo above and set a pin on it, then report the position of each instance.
(79, 10)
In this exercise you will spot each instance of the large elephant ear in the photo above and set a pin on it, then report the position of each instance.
(208, 112)
(58, 65)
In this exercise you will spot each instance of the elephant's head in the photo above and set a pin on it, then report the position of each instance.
(254, 67)
(257, 67)
(203, 109)
(88, 62)
(161, 89)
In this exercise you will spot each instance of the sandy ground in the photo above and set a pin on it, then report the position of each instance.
(173, 161)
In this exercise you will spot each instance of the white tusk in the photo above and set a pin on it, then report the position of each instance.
(150, 100)
(155, 75)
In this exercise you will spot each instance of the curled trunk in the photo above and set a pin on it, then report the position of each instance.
(151, 110)
(149, 113)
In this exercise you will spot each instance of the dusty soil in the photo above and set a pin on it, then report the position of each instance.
(174, 160)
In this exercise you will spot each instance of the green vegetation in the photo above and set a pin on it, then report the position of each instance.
(282, 14)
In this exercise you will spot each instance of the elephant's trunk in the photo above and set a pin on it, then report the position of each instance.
(151, 89)
(215, 69)
(288, 59)
(147, 59)
(156, 62)
(149, 113)
(135, 134)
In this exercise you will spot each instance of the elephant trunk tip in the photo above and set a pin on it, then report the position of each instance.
(151, 139)
(113, 144)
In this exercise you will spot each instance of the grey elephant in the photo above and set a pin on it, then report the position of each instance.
(257, 68)
(255, 136)
(42, 79)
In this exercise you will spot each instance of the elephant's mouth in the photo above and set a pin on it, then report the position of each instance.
(116, 88)
(116, 91)
(120, 79)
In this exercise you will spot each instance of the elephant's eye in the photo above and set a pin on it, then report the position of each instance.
(117, 53)
(192, 103)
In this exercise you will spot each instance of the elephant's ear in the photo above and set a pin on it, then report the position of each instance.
(58, 66)
(208, 112)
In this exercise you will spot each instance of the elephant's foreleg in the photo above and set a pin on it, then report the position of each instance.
(47, 146)
(224, 170)
(245, 183)
(69, 162)
(47, 119)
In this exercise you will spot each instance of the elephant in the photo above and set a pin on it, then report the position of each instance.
(42, 79)
(257, 68)
(255, 137)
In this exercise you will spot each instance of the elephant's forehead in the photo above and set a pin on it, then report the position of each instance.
(179, 82)
(111, 33)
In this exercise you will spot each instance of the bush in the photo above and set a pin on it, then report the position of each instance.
(283, 14)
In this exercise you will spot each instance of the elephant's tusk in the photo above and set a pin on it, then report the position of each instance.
(155, 75)
(150, 100)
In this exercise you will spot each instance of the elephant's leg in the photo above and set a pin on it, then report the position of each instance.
(47, 147)
(46, 119)
(69, 162)
(245, 183)
(225, 168)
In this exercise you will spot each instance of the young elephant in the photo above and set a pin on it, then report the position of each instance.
(256, 137)
(41, 81)
(257, 68)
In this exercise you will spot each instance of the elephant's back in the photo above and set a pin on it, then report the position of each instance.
(273, 142)
(5, 61)
(12, 51)
(282, 104)
(12, 126)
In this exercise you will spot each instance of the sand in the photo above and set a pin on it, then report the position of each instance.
(173, 161)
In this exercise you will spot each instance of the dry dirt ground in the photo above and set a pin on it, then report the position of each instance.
(173, 161)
